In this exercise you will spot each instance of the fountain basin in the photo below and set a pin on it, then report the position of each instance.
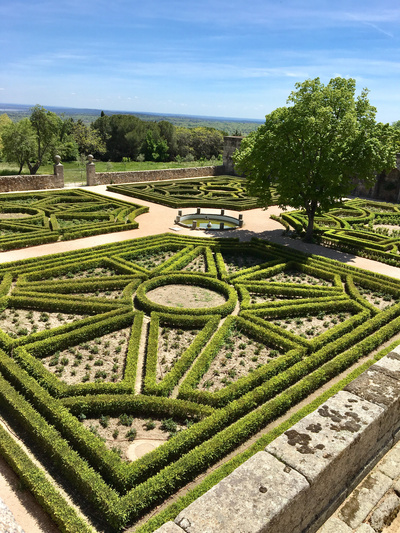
(208, 221)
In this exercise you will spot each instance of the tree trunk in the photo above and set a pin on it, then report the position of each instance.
(310, 226)
(21, 166)
(34, 168)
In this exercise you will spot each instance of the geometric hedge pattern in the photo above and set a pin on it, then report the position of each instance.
(225, 192)
(209, 339)
(363, 227)
(42, 217)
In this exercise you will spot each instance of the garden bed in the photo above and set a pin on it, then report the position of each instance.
(29, 220)
(138, 366)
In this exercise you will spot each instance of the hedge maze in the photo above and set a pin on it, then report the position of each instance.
(29, 219)
(222, 192)
(362, 227)
(198, 344)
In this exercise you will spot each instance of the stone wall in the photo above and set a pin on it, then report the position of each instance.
(103, 178)
(31, 182)
(231, 144)
(305, 474)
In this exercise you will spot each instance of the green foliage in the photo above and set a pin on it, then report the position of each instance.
(226, 192)
(356, 229)
(312, 149)
(62, 215)
(216, 422)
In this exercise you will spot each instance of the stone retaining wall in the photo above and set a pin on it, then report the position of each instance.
(105, 178)
(31, 182)
(303, 475)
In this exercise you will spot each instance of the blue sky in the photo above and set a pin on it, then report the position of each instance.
(208, 57)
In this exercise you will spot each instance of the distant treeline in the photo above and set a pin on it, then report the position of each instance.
(35, 140)
(228, 126)
(126, 136)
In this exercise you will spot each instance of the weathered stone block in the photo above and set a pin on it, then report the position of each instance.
(261, 495)
(386, 512)
(335, 525)
(364, 498)
(364, 528)
(390, 364)
(378, 385)
(169, 527)
(390, 465)
(330, 446)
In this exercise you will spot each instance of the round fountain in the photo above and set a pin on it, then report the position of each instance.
(208, 221)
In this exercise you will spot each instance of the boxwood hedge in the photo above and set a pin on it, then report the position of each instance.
(264, 286)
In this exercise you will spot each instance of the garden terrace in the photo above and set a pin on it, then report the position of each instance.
(226, 192)
(30, 219)
(101, 351)
(361, 227)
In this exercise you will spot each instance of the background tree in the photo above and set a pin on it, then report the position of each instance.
(4, 121)
(48, 128)
(87, 138)
(19, 142)
(155, 149)
(313, 149)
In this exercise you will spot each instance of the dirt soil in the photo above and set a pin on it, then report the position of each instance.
(185, 296)
(118, 436)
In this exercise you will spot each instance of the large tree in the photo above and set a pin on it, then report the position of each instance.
(48, 128)
(4, 121)
(19, 143)
(314, 148)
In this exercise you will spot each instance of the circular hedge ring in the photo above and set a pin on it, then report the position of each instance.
(213, 285)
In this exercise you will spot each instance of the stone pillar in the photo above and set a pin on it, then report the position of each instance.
(58, 172)
(231, 144)
(90, 171)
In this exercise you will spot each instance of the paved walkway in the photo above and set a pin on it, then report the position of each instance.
(382, 501)
(160, 219)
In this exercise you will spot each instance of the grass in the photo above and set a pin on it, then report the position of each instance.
(75, 172)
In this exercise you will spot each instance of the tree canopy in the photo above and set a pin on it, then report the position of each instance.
(314, 148)
(129, 136)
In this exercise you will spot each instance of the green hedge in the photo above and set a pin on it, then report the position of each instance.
(208, 323)
(186, 279)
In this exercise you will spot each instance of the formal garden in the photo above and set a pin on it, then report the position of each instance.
(29, 219)
(226, 192)
(131, 369)
(359, 226)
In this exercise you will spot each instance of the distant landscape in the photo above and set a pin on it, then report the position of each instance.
(228, 125)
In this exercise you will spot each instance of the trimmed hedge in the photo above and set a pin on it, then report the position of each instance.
(226, 192)
(49, 410)
(186, 279)
(47, 212)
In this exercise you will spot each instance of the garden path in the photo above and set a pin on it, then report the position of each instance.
(160, 219)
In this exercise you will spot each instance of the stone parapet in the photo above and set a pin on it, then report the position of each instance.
(105, 178)
(31, 182)
(306, 473)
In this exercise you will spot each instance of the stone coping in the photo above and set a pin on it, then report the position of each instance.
(301, 477)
